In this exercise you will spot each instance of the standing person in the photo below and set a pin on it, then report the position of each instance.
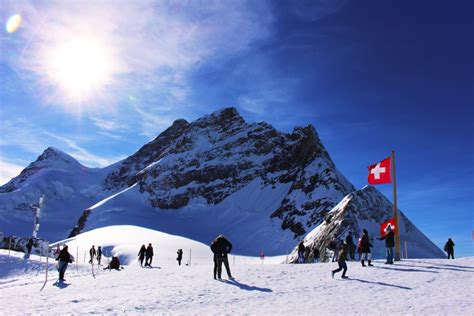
(365, 247)
(99, 255)
(351, 247)
(92, 253)
(341, 262)
(389, 244)
(64, 259)
(141, 255)
(221, 247)
(335, 244)
(449, 248)
(29, 246)
(301, 250)
(149, 255)
(180, 256)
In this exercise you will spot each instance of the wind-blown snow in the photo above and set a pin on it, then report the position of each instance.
(414, 286)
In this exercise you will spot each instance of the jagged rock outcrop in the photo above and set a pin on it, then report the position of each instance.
(219, 154)
(365, 209)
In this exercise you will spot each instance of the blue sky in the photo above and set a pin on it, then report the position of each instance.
(98, 81)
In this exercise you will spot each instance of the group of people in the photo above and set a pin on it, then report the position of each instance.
(95, 254)
(146, 253)
(221, 247)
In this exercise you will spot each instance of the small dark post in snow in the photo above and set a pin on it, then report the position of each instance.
(406, 250)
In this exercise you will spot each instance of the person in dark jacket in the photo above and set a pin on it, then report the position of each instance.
(92, 253)
(29, 246)
(301, 251)
(365, 247)
(114, 264)
(149, 255)
(351, 247)
(449, 248)
(99, 254)
(221, 247)
(141, 255)
(180, 256)
(341, 261)
(64, 259)
(389, 244)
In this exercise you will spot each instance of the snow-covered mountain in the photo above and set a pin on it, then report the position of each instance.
(68, 186)
(263, 188)
(366, 209)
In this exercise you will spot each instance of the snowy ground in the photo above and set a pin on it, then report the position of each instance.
(429, 286)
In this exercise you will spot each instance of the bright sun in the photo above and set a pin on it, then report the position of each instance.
(80, 67)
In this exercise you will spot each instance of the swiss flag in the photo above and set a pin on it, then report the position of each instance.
(383, 227)
(380, 172)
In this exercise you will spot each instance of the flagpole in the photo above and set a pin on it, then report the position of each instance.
(395, 210)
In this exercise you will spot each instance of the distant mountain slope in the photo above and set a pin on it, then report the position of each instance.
(367, 208)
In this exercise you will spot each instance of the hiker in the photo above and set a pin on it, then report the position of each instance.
(316, 253)
(29, 246)
(64, 259)
(389, 244)
(449, 248)
(221, 247)
(141, 255)
(180, 256)
(99, 255)
(114, 263)
(341, 261)
(301, 250)
(365, 248)
(149, 255)
(334, 245)
(92, 253)
(351, 246)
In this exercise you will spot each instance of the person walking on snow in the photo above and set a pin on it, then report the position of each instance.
(449, 248)
(341, 261)
(141, 255)
(64, 259)
(301, 251)
(92, 253)
(99, 255)
(221, 247)
(149, 255)
(180, 256)
(389, 244)
(365, 247)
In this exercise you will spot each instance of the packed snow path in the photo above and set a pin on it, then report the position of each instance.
(428, 286)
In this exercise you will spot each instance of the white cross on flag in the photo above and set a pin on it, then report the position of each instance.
(384, 227)
(380, 172)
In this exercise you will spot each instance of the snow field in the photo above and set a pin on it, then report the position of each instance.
(415, 286)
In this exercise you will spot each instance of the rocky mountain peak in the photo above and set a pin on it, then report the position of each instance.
(52, 158)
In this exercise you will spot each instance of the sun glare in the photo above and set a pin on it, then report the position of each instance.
(80, 68)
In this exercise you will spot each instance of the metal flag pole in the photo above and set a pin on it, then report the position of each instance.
(395, 210)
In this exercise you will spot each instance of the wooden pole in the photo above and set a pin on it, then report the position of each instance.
(395, 210)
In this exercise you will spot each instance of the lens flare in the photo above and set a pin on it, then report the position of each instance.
(13, 23)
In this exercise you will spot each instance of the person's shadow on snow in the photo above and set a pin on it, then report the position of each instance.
(381, 283)
(247, 287)
(404, 270)
(61, 285)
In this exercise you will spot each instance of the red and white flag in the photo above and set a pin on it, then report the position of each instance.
(384, 227)
(380, 172)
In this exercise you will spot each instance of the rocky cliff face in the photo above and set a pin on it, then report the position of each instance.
(219, 154)
(365, 209)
